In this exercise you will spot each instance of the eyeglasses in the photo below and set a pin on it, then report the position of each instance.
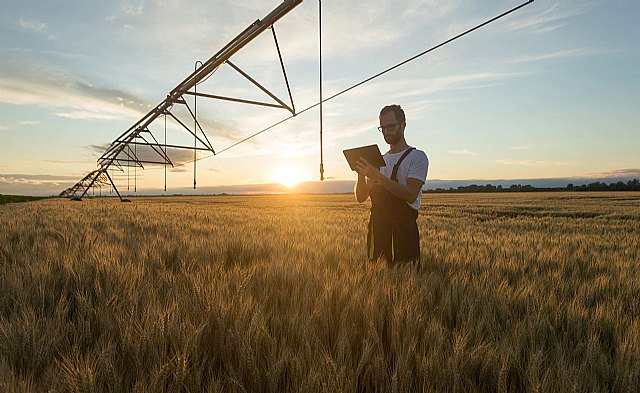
(389, 127)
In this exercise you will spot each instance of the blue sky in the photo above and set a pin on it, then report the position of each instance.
(550, 91)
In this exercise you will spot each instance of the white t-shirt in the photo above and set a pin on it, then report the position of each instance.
(414, 166)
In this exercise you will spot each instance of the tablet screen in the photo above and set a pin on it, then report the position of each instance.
(370, 153)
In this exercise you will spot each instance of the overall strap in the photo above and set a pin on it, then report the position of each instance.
(394, 174)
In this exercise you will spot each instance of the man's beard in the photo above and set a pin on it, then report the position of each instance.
(393, 139)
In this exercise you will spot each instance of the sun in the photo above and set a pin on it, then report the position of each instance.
(288, 176)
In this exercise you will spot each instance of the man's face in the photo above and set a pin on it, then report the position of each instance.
(392, 130)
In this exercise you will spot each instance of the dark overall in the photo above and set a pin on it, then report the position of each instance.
(393, 231)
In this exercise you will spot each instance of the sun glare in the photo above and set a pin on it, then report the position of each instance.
(289, 176)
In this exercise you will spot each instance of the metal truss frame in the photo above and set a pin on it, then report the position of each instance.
(122, 153)
(95, 178)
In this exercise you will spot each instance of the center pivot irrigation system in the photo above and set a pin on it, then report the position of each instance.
(123, 152)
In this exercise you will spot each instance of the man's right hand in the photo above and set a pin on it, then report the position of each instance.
(364, 168)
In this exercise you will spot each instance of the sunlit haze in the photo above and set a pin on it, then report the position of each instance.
(551, 91)
(289, 176)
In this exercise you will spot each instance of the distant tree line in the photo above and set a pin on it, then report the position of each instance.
(4, 199)
(631, 185)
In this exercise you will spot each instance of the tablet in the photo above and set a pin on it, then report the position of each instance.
(370, 153)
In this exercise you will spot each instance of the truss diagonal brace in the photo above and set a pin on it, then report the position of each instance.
(113, 184)
(279, 101)
(204, 134)
(160, 152)
(190, 131)
(284, 72)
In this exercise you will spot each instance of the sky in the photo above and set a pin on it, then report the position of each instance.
(551, 91)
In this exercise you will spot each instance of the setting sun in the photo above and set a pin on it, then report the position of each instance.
(288, 176)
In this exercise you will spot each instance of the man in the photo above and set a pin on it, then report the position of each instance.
(395, 192)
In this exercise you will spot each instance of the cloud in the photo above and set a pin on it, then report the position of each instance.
(462, 152)
(432, 8)
(22, 53)
(74, 99)
(32, 25)
(568, 53)
(131, 9)
(34, 81)
(544, 20)
(13, 126)
(22, 184)
(69, 162)
(617, 173)
(507, 161)
(364, 34)
(34, 179)
(28, 122)
(399, 88)
(97, 150)
(34, 84)
(84, 115)
(292, 139)
(43, 178)
(348, 30)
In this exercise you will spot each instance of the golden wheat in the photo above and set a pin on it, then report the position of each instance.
(517, 292)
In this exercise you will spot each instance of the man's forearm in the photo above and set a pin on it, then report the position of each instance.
(399, 190)
(361, 189)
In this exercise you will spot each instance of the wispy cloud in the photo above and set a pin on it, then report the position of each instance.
(299, 35)
(302, 142)
(131, 9)
(399, 88)
(547, 19)
(569, 53)
(22, 53)
(32, 25)
(18, 124)
(85, 115)
(69, 162)
(617, 173)
(348, 28)
(97, 150)
(462, 152)
(34, 179)
(432, 8)
(27, 85)
(22, 184)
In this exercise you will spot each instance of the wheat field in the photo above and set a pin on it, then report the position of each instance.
(515, 292)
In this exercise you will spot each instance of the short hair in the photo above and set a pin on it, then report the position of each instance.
(397, 111)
